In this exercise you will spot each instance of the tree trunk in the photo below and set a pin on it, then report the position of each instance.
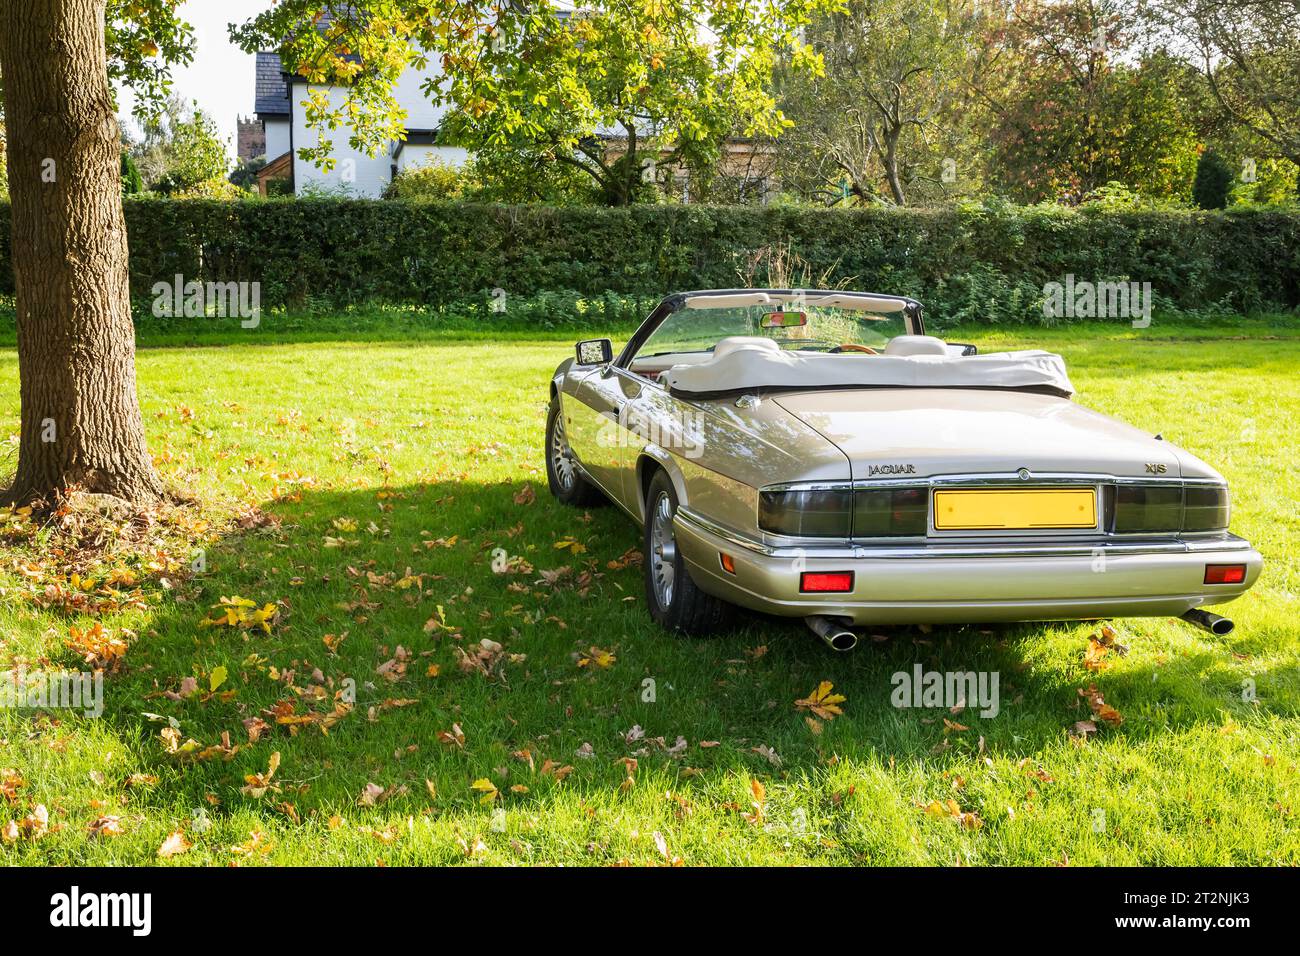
(81, 423)
(891, 169)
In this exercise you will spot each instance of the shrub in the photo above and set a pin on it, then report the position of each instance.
(433, 181)
(1213, 180)
(132, 184)
(985, 262)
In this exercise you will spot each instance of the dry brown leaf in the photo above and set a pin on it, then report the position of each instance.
(174, 845)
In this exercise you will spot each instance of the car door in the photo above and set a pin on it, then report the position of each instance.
(597, 428)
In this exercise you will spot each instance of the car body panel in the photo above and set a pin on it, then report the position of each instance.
(939, 588)
(971, 431)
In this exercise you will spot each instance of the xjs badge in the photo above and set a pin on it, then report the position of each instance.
(891, 470)
(1155, 468)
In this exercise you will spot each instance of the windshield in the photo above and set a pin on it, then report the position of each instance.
(804, 327)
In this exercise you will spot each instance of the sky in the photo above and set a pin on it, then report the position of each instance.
(221, 77)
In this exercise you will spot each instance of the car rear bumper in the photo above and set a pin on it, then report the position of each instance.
(969, 583)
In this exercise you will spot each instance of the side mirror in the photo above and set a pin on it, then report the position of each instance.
(595, 352)
(966, 349)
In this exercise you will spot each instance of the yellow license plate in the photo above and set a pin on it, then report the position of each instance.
(1015, 509)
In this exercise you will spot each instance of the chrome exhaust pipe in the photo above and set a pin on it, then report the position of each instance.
(836, 636)
(1209, 622)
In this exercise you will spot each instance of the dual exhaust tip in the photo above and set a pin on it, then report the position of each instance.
(840, 638)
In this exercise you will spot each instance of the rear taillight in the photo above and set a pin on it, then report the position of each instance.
(806, 514)
(1206, 508)
(884, 512)
(1225, 573)
(1170, 507)
(1148, 508)
(835, 582)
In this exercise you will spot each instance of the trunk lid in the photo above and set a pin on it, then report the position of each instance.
(904, 432)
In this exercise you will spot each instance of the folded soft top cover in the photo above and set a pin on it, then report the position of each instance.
(751, 369)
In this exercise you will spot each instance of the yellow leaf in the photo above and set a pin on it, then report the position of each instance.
(217, 677)
(822, 702)
(601, 658)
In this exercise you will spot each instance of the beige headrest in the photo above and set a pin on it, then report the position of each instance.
(916, 345)
(735, 343)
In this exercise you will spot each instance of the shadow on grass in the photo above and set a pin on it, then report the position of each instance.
(359, 573)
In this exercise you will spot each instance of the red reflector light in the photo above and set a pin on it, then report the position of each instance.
(728, 564)
(1225, 573)
(837, 582)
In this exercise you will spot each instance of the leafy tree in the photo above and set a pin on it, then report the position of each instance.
(1271, 182)
(613, 90)
(628, 94)
(517, 176)
(181, 150)
(195, 156)
(1213, 180)
(244, 175)
(1077, 103)
(887, 112)
(1249, 53)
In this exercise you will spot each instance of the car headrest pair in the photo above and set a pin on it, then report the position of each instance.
(898, 345)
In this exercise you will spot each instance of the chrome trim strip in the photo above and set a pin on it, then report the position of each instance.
(1008, 480)
(1224, 542)
(731, 537)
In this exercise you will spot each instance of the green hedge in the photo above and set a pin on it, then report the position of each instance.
(967, 265)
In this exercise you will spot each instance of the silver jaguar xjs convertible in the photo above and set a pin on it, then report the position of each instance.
(817, 455)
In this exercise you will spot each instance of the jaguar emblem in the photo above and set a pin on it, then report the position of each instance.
(899, 469)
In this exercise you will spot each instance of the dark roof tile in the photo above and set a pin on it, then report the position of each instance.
(272, 97)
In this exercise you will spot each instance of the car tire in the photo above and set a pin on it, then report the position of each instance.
(563, 476)
(675, 601)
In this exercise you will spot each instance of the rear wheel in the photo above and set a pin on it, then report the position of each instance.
(675, 601)
(562, 475)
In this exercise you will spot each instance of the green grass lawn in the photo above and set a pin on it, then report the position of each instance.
(362, 486)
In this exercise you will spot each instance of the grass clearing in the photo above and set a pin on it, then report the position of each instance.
(390, 470)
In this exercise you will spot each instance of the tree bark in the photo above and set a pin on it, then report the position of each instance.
(81, 422)
(891, 167)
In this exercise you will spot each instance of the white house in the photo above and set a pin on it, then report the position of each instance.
(279, 99)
